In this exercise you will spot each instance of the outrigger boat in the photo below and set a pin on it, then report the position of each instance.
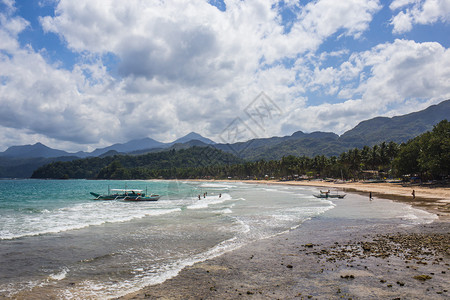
(327, 194)
(126, 195)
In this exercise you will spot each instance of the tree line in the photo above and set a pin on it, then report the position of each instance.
(426, 156)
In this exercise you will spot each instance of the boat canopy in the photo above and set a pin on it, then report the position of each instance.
(126, 190)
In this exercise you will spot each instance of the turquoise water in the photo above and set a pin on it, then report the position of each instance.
(55, 241)
(31, 207)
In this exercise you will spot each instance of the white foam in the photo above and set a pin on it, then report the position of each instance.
(209, 200)
(417, 216)
(108, 290)
(77, 217)
(217, 185)
(59, 276)
(226, 211)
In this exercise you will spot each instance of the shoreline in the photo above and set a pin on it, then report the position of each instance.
(435, 200)
(356, 259)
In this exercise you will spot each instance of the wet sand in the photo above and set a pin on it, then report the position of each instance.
(329, 257)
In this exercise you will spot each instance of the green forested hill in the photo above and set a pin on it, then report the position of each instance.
(397, 129)
(371, 132)
(151, 165)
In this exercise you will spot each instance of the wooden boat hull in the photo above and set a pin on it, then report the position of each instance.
(329, 196)
(106, 197)
(126, 197)
(151, 198)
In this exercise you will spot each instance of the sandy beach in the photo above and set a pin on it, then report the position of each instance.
(331, 257)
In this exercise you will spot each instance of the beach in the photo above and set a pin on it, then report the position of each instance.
(333, 256)
(261, 240)
(436, 200)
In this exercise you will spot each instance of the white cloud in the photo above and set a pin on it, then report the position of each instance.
(406, 70)
(186, 66)
(192, 40)
(10, 27)
(419, 12)
(9, 5)
(390, 75)
(326, 17)
(396, 4)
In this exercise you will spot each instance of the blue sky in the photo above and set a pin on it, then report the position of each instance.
(77, 75)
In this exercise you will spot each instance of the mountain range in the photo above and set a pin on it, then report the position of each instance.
(40, 150)
(17, 161)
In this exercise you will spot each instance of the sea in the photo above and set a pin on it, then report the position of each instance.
(56, 241)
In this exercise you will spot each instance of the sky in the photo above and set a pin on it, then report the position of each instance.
(79, 75)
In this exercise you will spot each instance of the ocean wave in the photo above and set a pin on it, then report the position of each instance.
(217, 185)
(60, 275)
(74, 218)
(417, 216)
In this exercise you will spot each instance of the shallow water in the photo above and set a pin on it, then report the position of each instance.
(56, 240)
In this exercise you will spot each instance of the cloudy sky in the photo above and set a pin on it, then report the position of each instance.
(77, 75)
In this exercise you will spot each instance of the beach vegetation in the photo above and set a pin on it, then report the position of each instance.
(427, 155)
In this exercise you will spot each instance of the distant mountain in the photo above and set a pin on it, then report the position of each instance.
(370, 132)
(146, 145)
(21, 161)
(133, 145)
(175, 146)
(298, 144)
(30, 151)
(191, 143)
(398, 129)
(315, 134)
(24, 167)
(374, 131)
(193, 136)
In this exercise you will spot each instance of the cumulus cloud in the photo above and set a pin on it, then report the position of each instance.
(168, 39)
(184, 66)
(418, 12)
(405, 69)
(389, 76)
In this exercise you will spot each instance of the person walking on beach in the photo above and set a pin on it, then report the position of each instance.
(370, 196)
(413, 194)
